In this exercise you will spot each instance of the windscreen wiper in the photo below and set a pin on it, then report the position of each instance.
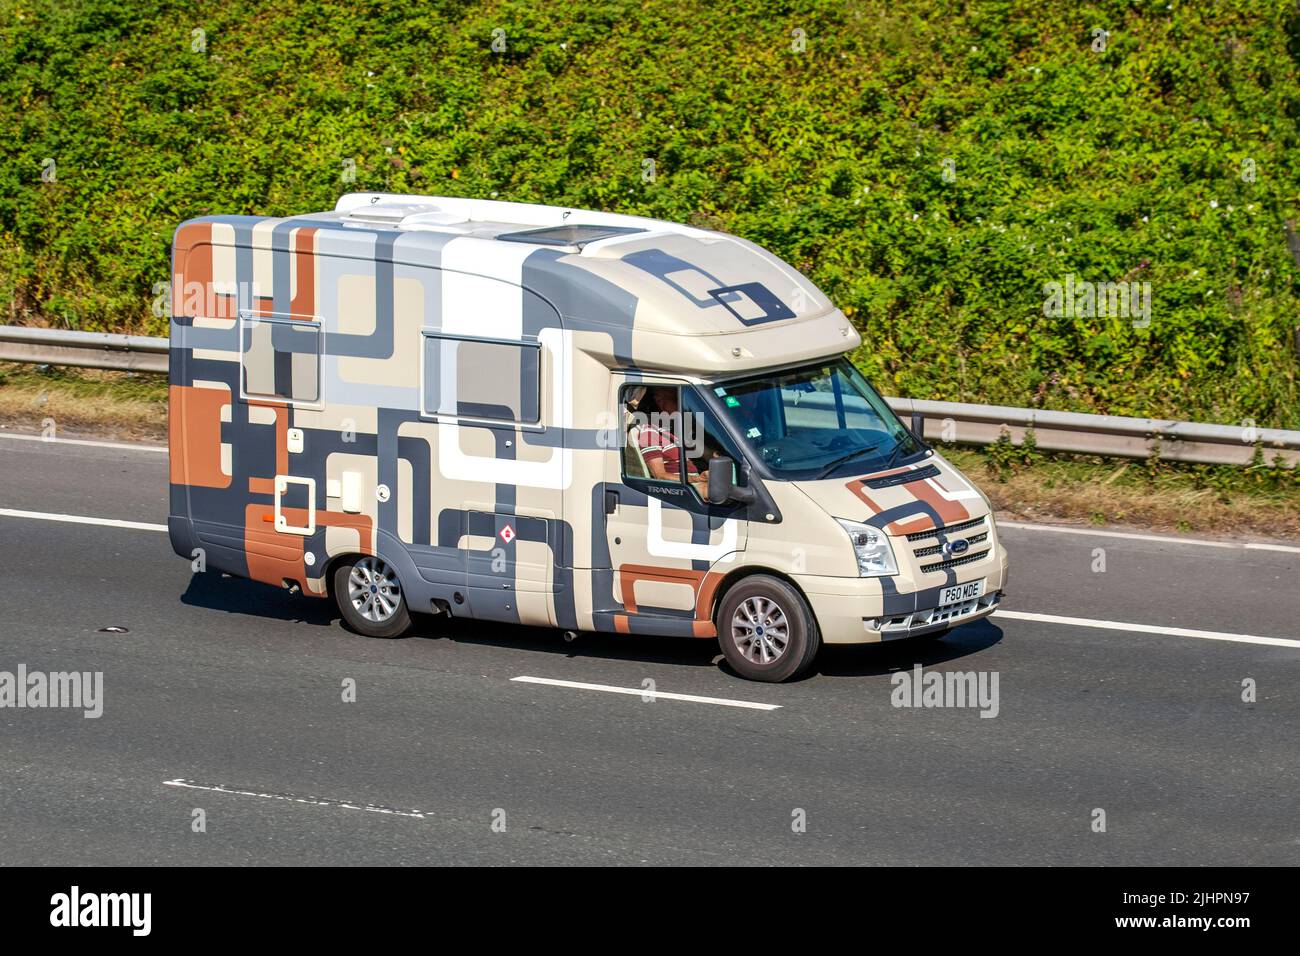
(893, 455)
(842, 459)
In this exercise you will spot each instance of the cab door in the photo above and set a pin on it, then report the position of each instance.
(663, 538)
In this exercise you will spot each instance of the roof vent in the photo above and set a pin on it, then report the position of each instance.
(391, 213)
(576, 234)
(431, 217)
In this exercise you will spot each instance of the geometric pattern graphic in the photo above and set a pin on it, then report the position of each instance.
(437, 382)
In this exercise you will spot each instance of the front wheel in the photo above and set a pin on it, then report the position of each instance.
(370, 597)
(766, 630)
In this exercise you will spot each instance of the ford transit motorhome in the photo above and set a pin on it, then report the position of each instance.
(553, 417)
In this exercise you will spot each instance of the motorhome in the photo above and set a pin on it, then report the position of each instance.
(553, 417)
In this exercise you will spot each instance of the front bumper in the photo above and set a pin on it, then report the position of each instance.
(871, 610)
(929, 620)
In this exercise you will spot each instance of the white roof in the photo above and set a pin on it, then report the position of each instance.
(401, 211)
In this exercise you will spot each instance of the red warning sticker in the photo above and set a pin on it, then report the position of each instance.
(507, 534)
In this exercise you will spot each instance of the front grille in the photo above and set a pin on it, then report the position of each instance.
(947, 529)
(938, 548)
(934, 618)
(955, 562)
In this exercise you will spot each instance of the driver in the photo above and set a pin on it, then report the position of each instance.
(660, 446)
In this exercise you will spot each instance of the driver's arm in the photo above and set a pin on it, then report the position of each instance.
(659, 469)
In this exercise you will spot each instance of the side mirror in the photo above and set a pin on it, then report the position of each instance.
(722, 484)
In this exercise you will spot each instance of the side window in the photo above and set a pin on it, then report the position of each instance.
(482, 378)
(280, 358)
(653, 433)
(709, 440)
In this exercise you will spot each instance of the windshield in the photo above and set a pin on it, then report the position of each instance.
(820, 421)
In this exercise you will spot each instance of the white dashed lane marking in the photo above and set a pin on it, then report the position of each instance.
(81, 519)
(650, 694)
(292, 798)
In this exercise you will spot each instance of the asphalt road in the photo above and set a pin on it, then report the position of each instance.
(237, 688)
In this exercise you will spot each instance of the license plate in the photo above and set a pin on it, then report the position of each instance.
(957, 593)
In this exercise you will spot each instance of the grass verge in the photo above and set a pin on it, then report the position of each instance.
(117, 405)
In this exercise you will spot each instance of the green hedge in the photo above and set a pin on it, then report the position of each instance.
(1113, 164)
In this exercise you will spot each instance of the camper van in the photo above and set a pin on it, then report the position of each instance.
(553, 417)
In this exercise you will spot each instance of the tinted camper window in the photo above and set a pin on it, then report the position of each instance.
(281, 359)
(482, 378)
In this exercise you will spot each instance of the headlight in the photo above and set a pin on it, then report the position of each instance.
(871, 545)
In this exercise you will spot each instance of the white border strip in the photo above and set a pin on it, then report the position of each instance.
(1147, 628)
(1165, 539)
(660, 547)
(80, 519)
(654, 695)
(119, 446)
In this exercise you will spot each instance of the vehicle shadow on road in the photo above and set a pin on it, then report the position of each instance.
(861, 660)
(217, 592)
(232, 595)
(690, 652)
(873, 660)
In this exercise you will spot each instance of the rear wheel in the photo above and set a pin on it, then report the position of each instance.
(766, 630)
(370, 597)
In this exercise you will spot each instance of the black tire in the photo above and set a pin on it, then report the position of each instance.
(745, 652)
(372, 619)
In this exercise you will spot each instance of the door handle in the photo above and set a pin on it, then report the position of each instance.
(611, 501)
